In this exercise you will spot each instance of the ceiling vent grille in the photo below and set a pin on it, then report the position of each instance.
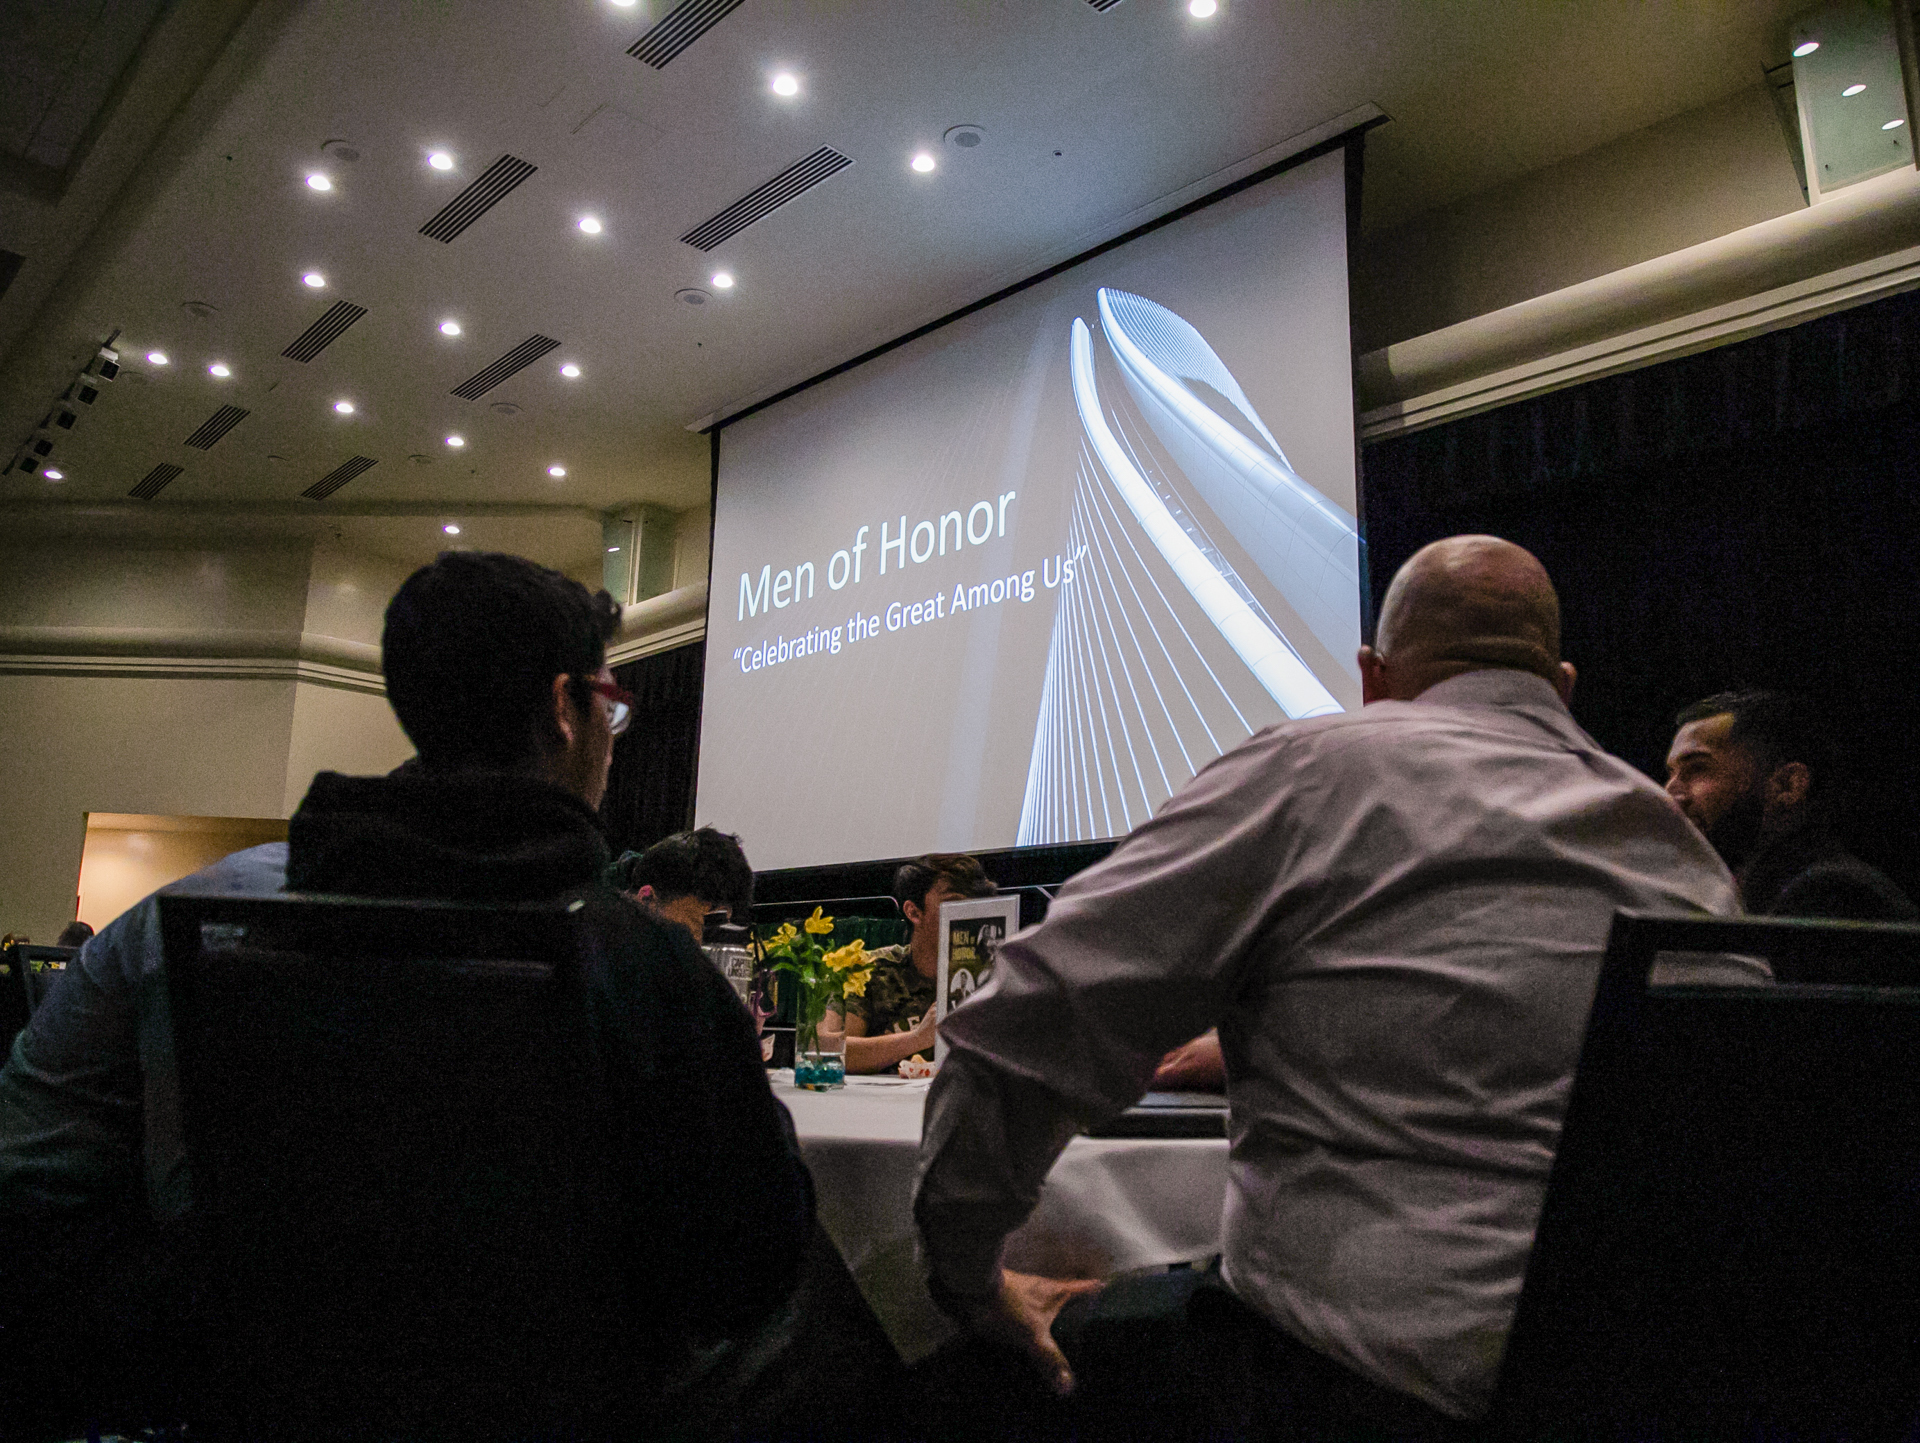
(794, 180)
(1103, 5)
(677, 31)
(518, 359)
(217, 425)
(338, 477)
(325, 331)
(156, 481)
(496, 182)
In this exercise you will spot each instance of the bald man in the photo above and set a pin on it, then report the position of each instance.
(1395, 919)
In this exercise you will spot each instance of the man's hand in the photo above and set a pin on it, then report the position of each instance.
(924, 1030)
(1021, 1315)
(1196, 1067)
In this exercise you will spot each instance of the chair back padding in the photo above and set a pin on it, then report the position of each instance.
(1730, 1242)
(398, 1227)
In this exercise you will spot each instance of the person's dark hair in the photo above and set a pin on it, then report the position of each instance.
(1776, 728)
(471, 647)
(706, 863)
(74, 934)
(962, 873)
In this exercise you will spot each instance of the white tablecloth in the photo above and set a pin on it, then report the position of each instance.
(1109, 1205)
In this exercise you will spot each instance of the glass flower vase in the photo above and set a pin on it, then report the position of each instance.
(819, 1057)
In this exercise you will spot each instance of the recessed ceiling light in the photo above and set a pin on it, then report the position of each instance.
(318, 181)
(449, 328)
(219, 368)
(1894, 124)
(590, 224)
(785, 84)
(345, 408)
(456, 441)
(556, 470)
(314, 279)
(613, 548)
(1202, 9)
(440, 160)
(54, 473)
(624, 4)
(158, 358)
(451, 529)
(923, 162)
(1853, 90)
(723, 280)
(569, 370)
(1804, 49)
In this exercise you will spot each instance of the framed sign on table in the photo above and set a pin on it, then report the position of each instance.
(970, 935)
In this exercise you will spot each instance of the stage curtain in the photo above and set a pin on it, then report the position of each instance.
(650, 787)
(1748, 514)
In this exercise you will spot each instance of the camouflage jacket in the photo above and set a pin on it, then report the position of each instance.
(897, 996)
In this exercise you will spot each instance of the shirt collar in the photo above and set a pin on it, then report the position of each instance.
(1507, 690)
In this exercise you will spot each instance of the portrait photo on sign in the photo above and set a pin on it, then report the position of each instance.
(970, 935)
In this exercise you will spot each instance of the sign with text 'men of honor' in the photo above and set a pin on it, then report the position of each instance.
(970, 935)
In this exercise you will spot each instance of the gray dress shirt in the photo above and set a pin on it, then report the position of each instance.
(1395, 917)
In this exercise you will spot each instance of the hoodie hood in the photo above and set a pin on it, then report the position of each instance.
(469, 837)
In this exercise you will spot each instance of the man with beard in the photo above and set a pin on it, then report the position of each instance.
(1756, 772)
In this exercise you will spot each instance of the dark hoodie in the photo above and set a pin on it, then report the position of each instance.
(714, 1188)
(711, 1193)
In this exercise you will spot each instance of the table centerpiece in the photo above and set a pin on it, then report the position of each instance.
(826, 977)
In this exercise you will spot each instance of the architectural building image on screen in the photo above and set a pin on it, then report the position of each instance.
(1122, 668)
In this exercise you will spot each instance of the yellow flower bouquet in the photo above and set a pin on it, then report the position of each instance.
(826, 977)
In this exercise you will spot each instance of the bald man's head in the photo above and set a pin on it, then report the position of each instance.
(1467, 603)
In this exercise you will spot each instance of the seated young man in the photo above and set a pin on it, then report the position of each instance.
(895, 1019)
(496, 670)
(685, 877)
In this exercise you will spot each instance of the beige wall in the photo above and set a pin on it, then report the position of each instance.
(80, 744)
(134, 729)
(1698, 176)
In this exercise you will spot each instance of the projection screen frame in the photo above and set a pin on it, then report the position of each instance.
(1351, 141)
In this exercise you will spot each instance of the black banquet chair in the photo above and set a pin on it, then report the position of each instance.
(399, 1228)
(1730, 1243)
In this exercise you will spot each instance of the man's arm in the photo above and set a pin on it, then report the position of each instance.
(722, 1203)
(1138, 955)
(871, 1054)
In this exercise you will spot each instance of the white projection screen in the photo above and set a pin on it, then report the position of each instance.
(1014, 582)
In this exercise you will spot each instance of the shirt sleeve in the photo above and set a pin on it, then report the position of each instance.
(70, 1096)
(1137, 955)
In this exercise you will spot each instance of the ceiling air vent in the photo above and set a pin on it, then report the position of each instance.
(338, 477)
(325, 331)
(518, 359)
(217, 425)
(493, 186)
(156, 481)
(795, 179)
(677, 31)
(1103, 5)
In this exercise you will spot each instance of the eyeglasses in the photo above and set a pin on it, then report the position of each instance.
(619, 703)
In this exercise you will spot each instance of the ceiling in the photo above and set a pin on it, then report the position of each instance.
(1089, 117)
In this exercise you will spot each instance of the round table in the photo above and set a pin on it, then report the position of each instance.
(1109, 1205)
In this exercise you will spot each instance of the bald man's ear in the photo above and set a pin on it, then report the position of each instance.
(1563, 681)
(1373, 677)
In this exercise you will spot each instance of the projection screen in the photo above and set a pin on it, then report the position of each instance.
(1014, 582)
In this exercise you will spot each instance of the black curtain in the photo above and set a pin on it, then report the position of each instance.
(1745, 515)
(650, 786)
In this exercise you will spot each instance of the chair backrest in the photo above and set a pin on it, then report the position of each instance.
(1730, 1243)
(397, 1227)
